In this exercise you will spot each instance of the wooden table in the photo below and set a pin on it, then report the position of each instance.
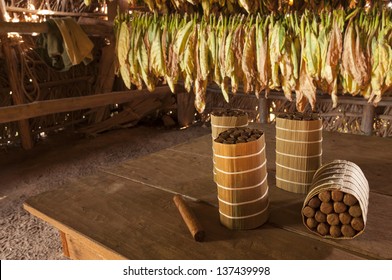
(127, 212)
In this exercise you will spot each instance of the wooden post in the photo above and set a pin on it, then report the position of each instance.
(185, 108)
(368, 119)
(64, 244)
(112, 9)
(122, 5)
(263, 109)
(14, 81)
(106, 75)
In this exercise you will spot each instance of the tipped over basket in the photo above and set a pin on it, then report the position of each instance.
(298, 152)
(241, 178)
(337, 204)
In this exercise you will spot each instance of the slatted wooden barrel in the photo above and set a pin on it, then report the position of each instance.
(241, 178)
(298, 153)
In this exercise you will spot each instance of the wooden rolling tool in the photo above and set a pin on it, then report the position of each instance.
(189, 218)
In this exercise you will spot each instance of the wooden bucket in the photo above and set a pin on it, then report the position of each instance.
(298, 153)
(241, 178)
(341, 179)
(223, 120)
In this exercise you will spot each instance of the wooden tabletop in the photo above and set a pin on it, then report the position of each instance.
(128, 212)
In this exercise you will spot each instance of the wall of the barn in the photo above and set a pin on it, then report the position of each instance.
(345, 118)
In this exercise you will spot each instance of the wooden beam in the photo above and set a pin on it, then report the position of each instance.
(42, 108)
(53, 13)
(42, 27)
(342, 99)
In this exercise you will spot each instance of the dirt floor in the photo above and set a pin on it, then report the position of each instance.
(56, 160)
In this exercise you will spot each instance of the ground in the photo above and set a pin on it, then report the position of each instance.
(58, 159)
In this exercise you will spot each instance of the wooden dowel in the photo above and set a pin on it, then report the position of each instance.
(189, 218)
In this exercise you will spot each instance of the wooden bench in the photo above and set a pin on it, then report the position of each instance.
(127, 212)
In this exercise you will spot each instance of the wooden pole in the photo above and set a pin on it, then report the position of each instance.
(42, 108)
(263, 109)
(15, 79)
(368, 119)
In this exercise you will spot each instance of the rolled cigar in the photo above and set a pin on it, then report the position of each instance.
(337, 195)
(347, 231)
(335, 231)
(189, 218)
(345, 218)
(333, 219)
(326, 207)
(325, 196)
(323, 228)
(321, 217)
(357, 224)
(349, 199)
(314, 202)
(308, 212)
(311, 223)
(339, 207)
(355, 211)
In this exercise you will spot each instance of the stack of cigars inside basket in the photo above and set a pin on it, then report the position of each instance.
(240, 170)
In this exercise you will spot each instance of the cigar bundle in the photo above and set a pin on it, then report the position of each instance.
(337, 204)
(238, 135)
(228, 113)
(334, 213)
(226, 119)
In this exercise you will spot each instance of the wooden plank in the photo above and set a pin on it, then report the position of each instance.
(193, 174)
(99, 249)
(42, 108)
(140, 222)
(78, 249)
(201, 146)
